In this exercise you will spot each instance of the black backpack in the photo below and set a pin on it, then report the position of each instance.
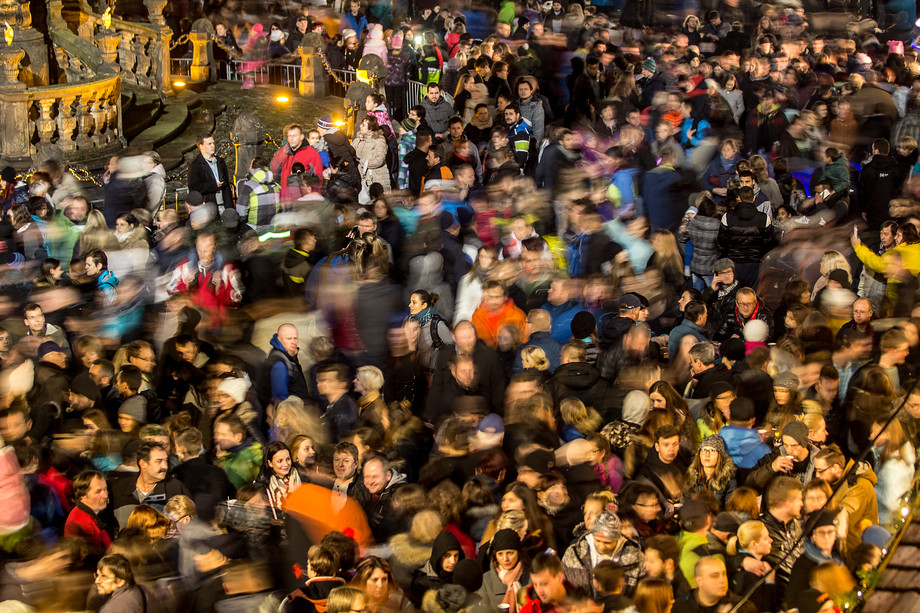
(436, 342)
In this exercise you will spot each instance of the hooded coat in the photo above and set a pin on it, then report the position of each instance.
(371, 149)
(580, 380)
(744, 445)
(857, 496)
(432, 575)
(374, 44)
(409, 557)
(721, 485)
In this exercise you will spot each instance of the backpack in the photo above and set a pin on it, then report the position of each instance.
(387, 132)
(436, 342)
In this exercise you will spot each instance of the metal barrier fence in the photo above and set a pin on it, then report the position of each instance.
(288, 75)
(180, 66)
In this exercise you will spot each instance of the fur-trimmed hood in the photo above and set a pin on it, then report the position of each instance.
(407, 430)
(487, 511)
(720, 479)
(409, 552)
(448, 599)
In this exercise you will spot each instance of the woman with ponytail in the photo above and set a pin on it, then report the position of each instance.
(746, 553)
(434, 332)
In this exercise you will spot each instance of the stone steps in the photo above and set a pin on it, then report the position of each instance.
(144, 112)
(171, 121)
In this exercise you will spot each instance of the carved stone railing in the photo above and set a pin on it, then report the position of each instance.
(73, 116)
(140, 51)
(74, 69)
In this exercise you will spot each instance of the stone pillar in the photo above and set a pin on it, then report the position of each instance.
(202, 57)
(55, 18)
(249, 135)
(15, 133)
(312, 75)
(10, 57)
(155, 11)
(108, 41)
(14, 129)
(166, 34)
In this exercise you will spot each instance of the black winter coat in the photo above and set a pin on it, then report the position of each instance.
(201, 180)
(879, 182)
(580, 380)
(745, 234)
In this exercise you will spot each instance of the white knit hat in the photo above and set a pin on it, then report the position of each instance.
(234, 387)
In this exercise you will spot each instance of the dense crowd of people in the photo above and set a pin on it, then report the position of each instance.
(630, 324)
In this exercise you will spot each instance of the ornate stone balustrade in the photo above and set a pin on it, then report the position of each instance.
(73, 116)
(140, 51)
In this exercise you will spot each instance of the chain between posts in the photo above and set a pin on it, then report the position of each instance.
(179, 41)
(83, 175)
(329, 69)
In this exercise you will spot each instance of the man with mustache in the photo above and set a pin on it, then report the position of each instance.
(150, 487)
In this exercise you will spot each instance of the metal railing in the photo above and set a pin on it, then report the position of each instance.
(180, 66)
(288, 75)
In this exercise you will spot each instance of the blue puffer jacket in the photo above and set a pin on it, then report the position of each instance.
(744, 445)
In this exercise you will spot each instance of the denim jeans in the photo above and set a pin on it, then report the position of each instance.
(701, 283)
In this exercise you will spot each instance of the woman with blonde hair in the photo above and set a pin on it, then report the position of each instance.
(292, 417)
(534, 358)
(368, 383)
(577, 419)
(750, 547)
(346, 599)
(814, 419)
(96, 235)
(894, 459)
(830, 261)
(768, 186)
(666, 258)
(303, 448)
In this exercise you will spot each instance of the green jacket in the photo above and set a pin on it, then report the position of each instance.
(63, 235)
(506, 12)
(838, 173)
(693, 546)
(242, 463)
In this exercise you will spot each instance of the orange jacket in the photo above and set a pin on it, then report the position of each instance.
(488, 323)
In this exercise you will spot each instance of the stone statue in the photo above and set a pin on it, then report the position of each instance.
(249, 132)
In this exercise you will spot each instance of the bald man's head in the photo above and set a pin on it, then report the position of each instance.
(539, 320)
(289, 338)
(465, 336)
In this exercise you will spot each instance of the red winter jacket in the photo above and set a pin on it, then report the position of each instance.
(284, 159)
(83, 522)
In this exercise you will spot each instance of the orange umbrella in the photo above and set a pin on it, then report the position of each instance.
(321, 511)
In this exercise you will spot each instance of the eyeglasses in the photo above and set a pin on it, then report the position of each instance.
(708, 451)
(819, 471)
(745, 304)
